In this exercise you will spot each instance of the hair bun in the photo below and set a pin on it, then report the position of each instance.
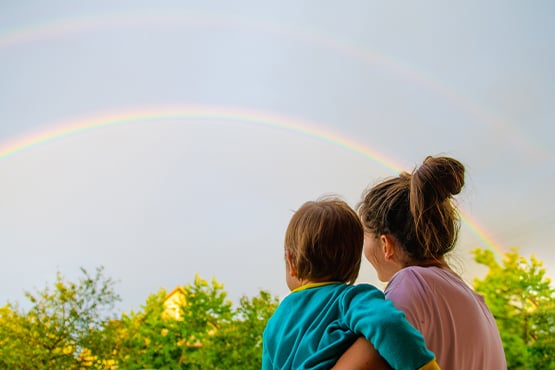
(438, 178)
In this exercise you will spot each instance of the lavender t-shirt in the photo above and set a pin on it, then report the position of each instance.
(455, 321)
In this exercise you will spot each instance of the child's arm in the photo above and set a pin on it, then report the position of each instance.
(368, 314)
(361, 356)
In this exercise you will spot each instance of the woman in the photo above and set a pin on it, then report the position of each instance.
(410, 225)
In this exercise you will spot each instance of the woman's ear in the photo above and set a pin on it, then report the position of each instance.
(389, 244)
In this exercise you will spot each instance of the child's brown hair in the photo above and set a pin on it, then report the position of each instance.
(324, 240)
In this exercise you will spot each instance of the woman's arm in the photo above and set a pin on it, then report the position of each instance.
(361, 356)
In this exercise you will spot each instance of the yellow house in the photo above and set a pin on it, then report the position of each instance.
(175, 300)
(173, 304)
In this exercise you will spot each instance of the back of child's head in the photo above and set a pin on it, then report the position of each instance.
(324, 239)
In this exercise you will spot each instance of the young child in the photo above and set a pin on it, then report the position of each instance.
(325, 313)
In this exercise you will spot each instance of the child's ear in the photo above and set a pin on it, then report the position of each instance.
(291, 268)
(388, 245)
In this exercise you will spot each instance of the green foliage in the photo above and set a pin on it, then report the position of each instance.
(170, 337)
(12, 339)
(204, 333)
(69, 326)
(522, 301)
(238, 343)
(135, 347)
(66, 326)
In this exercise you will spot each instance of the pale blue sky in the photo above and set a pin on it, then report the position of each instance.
(157, 201)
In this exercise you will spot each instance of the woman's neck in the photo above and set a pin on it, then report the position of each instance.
(431, 262)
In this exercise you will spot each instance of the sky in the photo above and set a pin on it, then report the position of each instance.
(164, 139)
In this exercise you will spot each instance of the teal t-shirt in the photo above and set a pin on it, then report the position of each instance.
(312, 328)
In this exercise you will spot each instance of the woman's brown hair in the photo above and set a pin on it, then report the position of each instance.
(417, 209)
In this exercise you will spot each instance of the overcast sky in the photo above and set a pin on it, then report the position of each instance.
(205, 124)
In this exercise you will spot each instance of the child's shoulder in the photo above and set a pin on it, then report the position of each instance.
(364, 289)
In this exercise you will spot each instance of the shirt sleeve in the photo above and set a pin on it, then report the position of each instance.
(267, 361)
(408, 292)
(367, 313)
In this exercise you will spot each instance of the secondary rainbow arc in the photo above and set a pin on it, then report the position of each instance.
(67, 27)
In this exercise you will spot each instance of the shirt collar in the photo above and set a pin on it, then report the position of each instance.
(313, 285)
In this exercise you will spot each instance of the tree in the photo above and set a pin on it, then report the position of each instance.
(142, 337)
(12, 346)
(522, 301)
(66, 326)
(71, 326)
(158, 337)
(198, 330)
(238, 345)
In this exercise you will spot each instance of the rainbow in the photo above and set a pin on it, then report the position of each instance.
(227, 114)
(104, 23)
(482, 235)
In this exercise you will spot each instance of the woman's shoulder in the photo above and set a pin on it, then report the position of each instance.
(423, 283)
(414, 282)
(417, 274)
